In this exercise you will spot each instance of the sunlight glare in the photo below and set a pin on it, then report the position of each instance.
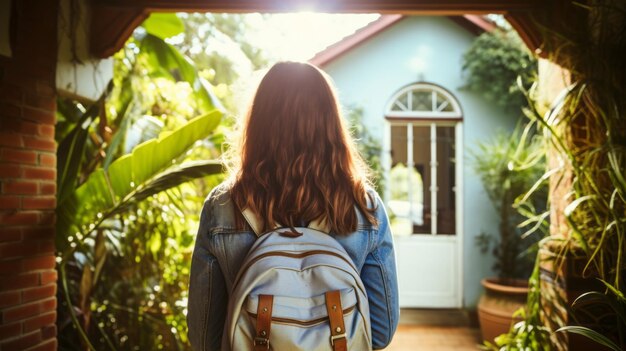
(299, 36)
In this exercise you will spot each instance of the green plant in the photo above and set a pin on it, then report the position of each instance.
(493, 64)
(529, 334)
(509, 165)
(587, 129)
(369, 147)
(126, 217)
(205, 36)
(615, 303)
(534, 208)
(499, 67)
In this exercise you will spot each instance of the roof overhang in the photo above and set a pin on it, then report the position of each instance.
(474, 23)
(113, 21)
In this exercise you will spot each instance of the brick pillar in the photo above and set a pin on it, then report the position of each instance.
(28, 179)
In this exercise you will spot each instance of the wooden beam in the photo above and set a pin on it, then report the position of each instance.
(426, 7)
(113, 21)
(111, 27)
(526, 27)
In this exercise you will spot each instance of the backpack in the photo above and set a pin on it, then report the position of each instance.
(297, 290)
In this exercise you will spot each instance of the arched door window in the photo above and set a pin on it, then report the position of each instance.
(422, 134)
(423, 101)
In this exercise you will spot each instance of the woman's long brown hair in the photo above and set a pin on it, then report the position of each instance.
(296, 161)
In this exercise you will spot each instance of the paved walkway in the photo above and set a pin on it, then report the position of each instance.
(433, 338)
(435, 330)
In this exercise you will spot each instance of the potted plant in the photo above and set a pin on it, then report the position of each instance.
(500, 68)
(509, 165)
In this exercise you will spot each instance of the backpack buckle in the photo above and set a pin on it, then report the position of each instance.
(260, 341)
(335, 337)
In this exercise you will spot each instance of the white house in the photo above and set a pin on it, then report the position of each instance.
(405, 73)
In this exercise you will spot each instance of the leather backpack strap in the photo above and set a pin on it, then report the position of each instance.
(255, 223)
(253, 220)
(321, 225)
(338, 338)
(263, 323)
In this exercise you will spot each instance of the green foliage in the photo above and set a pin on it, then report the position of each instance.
(164, 60)
(586, 130)
(163, 25)
(509, 165)
(131, 178)
(369, 147)
(126, 215)
(492, 66)
(72, 144)
(529, 334)
(499, 67)
(221, 50)
(590, 303)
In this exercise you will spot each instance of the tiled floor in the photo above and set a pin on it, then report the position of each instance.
(435, 330)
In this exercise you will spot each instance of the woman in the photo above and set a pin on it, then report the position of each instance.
(295, 163)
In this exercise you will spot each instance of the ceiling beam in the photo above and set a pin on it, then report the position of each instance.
(427, 7)
(111, 27)
(528, 31)
(113, 21)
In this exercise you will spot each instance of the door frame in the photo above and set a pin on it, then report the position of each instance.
(459, 185)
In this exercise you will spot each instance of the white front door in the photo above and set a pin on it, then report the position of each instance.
(423, 198)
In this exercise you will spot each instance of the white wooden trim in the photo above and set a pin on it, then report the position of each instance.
(423, 114)
(459, 188)
(416, 296)
(386, 160)
(409, 100)
(421, 123)
(433, 179)
(410, 163)
(433, 101)
(434, 113)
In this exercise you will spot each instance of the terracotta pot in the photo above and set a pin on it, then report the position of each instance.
(497, 305)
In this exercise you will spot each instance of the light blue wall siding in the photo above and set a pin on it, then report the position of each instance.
(427, 49)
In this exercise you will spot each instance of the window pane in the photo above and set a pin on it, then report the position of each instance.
(443, 104)
(401, 104)
(421, 191)
(446, 214)
(422, 100)
(398, 205)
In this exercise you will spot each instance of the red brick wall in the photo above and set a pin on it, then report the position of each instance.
(28, 180)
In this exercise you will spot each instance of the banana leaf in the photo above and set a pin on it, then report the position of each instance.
(163, 25)
(146, 170)
(166, 61)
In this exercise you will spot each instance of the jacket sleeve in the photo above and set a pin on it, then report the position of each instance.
(380, 279)
(206, 308)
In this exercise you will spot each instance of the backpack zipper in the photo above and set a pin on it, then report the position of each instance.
(291, 255)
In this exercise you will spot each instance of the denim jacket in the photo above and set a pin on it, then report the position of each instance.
(221, 248)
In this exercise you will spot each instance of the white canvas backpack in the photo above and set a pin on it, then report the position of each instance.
(297, 291)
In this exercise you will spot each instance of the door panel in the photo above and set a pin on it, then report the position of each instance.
(422, 204)
(427, 271)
